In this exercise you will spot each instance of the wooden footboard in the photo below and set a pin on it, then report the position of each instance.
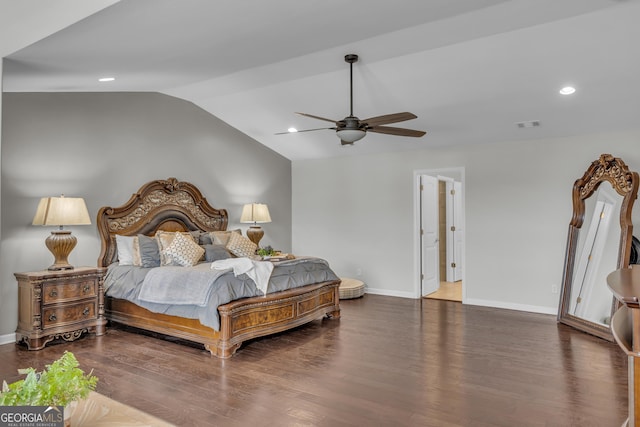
(240, 320)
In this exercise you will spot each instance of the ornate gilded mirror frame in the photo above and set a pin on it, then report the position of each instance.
(625, 183)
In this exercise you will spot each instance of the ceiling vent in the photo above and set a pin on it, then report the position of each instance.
(528, 124)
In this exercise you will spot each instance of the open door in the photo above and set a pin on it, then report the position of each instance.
(429, 234)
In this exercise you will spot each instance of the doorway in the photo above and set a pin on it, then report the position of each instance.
(440, 234)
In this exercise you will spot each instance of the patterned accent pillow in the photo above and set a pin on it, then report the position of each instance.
(164, 240)
(222, 237)
(136, 252)
(241, 246)
(183, 251)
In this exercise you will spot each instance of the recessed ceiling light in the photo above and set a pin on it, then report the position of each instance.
(292, 130)
(567, 90)
(106, 79)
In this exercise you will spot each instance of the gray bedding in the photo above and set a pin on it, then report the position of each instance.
(125, 282)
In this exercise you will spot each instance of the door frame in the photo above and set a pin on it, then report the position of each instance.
(453, 194)
(457, 173)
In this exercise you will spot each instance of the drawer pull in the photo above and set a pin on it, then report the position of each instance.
(53, 293)
(53, 317)
(86, 311)
(86, 289)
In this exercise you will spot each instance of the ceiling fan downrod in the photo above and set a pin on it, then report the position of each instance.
(351, 58)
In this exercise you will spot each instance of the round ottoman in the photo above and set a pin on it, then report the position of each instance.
(351, 288)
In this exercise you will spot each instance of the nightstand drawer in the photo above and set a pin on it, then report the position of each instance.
(65, 314)
(68, 290)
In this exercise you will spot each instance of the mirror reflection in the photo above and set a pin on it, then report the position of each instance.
(596, 256)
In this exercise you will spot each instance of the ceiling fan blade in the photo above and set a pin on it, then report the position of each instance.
(389, 118)
(397, 131)
(304, 130)
(318, 117)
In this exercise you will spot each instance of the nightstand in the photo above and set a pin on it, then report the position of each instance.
(59, 304)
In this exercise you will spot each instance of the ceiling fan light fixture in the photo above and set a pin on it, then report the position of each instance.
(350, 135)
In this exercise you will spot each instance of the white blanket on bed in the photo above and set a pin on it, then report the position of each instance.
(258, 271)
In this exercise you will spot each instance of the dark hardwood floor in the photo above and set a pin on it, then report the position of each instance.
(386, 362)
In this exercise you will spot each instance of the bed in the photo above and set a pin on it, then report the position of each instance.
(174, 206)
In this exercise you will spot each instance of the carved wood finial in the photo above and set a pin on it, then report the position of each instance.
(607, 168)
(171, 185)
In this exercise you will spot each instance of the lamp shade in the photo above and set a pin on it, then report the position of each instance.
(256, 213)
(350, 135)
(61, 211)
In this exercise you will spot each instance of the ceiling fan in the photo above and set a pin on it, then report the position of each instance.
(351, 129)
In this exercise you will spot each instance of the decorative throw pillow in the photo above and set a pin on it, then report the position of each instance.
(164, 239)
(222, 237)
(215, 252)
(136, 252)
(241, 246)
(148, 250)
(183, 251)
(196, 235)
(205, 239)
(124, 245)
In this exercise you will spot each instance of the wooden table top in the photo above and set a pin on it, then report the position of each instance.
(98, 410)
(625, 285)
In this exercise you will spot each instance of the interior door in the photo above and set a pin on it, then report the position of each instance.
(455, 233)
(429, 233)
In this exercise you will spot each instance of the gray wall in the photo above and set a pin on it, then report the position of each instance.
(103, 147)
(358, 212)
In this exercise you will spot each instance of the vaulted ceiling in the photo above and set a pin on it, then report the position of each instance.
(469, 69)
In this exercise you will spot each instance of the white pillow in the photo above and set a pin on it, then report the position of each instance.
(183, 251)
(125, 249)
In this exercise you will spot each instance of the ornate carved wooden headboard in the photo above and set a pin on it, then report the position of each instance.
(158, 205)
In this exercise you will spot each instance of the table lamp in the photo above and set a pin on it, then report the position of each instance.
(61, 211)
(256, 213)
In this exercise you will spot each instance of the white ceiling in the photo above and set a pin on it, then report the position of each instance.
(27, 21)
(469, 69)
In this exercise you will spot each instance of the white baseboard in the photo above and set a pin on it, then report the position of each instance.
(6, 339)
(387, 292)
(474, 301)
(511, 306)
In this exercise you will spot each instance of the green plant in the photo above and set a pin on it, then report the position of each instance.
(267, 251)
(60, 383)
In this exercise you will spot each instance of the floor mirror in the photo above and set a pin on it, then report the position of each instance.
(598, 242)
